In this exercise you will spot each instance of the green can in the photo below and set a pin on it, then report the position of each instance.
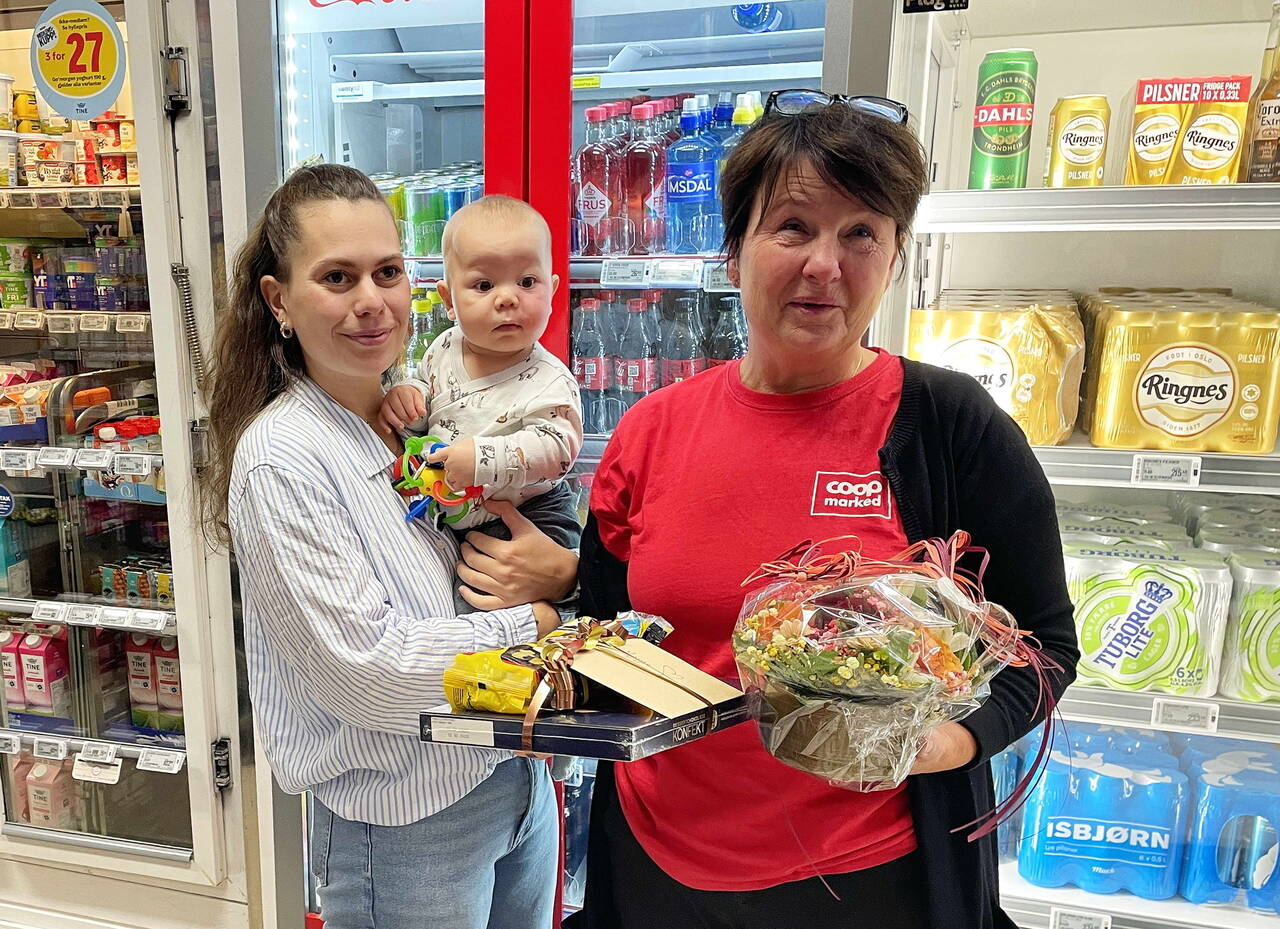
(1002, 120)
(424, 208)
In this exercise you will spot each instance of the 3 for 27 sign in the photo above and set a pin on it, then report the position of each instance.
(78, 58)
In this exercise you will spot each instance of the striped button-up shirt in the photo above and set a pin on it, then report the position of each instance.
(349, 617)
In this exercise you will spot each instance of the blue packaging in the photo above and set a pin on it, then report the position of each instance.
(1229, 851)
(1005, 768)
(1104, 825)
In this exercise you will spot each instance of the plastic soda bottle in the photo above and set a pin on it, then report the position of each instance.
(682, 355)
(420, 336)
(729, 337)
(598, 187)
(637, 368)
(646, 171)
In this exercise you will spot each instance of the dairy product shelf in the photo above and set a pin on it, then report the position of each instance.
(1079, 463)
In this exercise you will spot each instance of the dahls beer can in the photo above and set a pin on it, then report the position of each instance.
(1002, 120)
(1078, 128)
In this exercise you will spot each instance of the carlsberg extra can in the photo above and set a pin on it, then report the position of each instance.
(1077, 148)
(1002, 120)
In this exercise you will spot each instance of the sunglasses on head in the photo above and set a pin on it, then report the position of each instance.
(794, 102)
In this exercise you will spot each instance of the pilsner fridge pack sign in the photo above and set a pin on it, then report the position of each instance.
(1187, 380)
(1188, 130)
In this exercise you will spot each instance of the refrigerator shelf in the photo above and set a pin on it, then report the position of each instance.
(1092, 209)
(58, 198)
(1079, 463)
(1208, 716)
(87, 611)
(99, 843)
(470, 92)
(1033, 907)
(746, 48)
(70, 321)
(167, 753)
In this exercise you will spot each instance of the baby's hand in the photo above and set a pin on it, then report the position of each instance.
(459, 463)
(401, 406)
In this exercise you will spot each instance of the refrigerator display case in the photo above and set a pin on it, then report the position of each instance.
(118, 738)
(1092, 257)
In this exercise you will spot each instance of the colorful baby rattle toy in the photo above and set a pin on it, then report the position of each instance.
(414, 477)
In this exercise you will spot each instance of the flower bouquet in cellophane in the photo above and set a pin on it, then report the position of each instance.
(854, 660)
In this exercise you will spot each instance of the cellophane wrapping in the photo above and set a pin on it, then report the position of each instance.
(851, 676)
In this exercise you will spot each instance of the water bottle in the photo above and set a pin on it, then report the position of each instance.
(653, 318)
(762, 17)
(722, 118)
(693, 210)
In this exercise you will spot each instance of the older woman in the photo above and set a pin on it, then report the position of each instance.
(818, 202)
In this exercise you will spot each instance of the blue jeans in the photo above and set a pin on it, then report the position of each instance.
(486, 862)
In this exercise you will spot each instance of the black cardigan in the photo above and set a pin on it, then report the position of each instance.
(954, 460)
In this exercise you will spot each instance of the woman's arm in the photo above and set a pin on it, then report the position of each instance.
(1006, 505)
(531, 566)
(602, 578)
(324, 612)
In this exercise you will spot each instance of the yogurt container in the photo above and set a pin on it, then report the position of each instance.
(52, 174)
(15, 256)
(8, 158)
(25, 105)
(6, 102)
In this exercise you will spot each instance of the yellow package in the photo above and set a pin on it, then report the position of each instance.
(1213, 133)
(484, 681)
(1029, 357)
(1187, 380)
(1158, 108)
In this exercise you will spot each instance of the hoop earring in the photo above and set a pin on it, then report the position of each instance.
(286, 331)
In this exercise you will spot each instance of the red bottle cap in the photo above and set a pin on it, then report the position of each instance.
(642, 111)
(653, 296)
(606, 295)
(597, 114)
(589, 305)
(635, 305)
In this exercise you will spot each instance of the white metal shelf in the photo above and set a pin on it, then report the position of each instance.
(1085, 209)
(20, 459)
(1030, 907)
(93, 613)
(71, 321)
(75, 745)
(1236, 719)
(61, 198)
(683, 78)
(1079, 463)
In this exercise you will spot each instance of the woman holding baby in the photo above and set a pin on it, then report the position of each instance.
(349, 609)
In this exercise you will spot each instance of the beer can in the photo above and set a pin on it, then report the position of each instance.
(1002, 120)
(424, 207)
(1077, 149)
(455, 198)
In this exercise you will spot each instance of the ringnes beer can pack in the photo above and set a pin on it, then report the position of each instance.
(1188, 130)
(1187, 372)
(1026, 348)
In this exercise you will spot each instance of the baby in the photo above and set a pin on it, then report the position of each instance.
(507, 408)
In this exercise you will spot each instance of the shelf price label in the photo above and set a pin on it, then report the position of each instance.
(83, 614)
(28, 320)
(1184, 715)
(114, 198)
(53, 457)
(150, 620)
(674, 272)
(22, 200)
(18, 459)
(6, 320)
(353, 92)
(81, 198)
(132, 322)
(46, 611)
(715, 278)
(10, 743)
(1166, 470)
(1061, 918)
(51, 749)
(622, 272)
(101, 752)
(94, 459)
(95, 322)
(61, 322)
(97, 772)
(161, 760)
(115, 617)
(128, 464)
(51, 199)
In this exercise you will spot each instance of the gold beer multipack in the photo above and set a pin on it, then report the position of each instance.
(1188, 130)
(1182, 371)
(1026, 348)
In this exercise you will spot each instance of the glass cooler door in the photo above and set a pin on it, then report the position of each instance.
(1089, 251)
(105, 661)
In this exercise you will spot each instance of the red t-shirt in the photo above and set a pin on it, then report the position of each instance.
(701, 483)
